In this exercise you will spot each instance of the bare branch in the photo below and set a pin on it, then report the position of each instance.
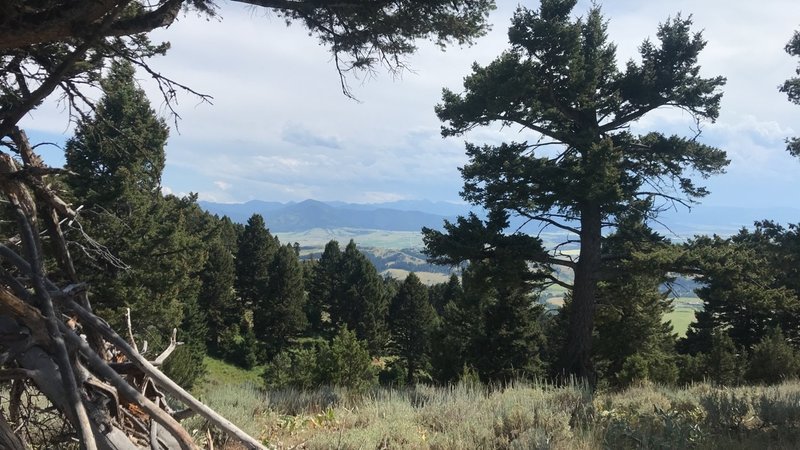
(168, 385)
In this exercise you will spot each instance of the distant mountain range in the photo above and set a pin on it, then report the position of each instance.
(309, 214)
(412, 215)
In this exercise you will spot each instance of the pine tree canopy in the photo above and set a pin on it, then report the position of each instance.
(560, 79)
(791, 88)
(53, 45)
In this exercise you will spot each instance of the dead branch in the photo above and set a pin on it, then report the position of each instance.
(173, 344)
(162, 380)
(130, 328)
(8, 439)
(132, 395)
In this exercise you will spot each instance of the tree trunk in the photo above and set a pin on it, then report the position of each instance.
(9, 440)
(576, 359)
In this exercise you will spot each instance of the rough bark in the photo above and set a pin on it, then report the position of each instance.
(577, 355)
(9, 440)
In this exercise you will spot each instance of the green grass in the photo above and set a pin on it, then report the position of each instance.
(680, 318)
(219, 373)
(683, 313)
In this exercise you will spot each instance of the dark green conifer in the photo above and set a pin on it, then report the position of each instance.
(362, 305)
(631, 306)
(279, 316)
(217, 298)
(412, 321)
(144, 255)
(256, 249)
(325, 288)
(791, 88)
(561, 81)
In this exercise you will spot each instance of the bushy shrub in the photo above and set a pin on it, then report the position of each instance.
(393, 372)
(346, 362)
(723, 365)
(726, 409)
(773, 360)
(241, 350)
(779, 405)
(656, 367)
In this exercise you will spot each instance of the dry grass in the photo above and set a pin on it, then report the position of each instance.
(520, 416)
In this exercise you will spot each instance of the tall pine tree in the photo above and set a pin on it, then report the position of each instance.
(362, 305)
(256, 249)
(633, 343)
(325, 287)
(412, 321)
(144, 254)
(560, 80)
(791, 88)
(279, 315)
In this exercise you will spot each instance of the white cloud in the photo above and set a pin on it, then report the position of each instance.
(223, 185)
(280, 129)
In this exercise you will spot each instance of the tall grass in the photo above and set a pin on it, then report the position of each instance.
(518, 416)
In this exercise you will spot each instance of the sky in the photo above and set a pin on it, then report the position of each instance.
(280, 129)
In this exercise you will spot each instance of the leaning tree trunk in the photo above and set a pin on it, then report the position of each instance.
(110, 406)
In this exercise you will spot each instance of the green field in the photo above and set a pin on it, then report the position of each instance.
(683, 313)
(318, 237)
(219, 373)
(680, 318)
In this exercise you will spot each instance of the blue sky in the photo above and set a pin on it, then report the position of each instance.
(279, 128)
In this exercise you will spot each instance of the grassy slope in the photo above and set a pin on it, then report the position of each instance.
(221, 374)
(521, 416)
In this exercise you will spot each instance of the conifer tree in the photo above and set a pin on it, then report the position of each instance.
(118, 155)
(493, 327)
(453, 341)
(791, 88)
(325, 287)
(145, 256)
(749, 286)
(629, 330)
(560, 79)
(412, 321)
(362, 305)
(218, 296)
(773, 360)
(185, 366)
(278, 316)
(510, 339)
(256, 249)
(442, 293)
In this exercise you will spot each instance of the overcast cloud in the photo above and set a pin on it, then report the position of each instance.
(280, 129)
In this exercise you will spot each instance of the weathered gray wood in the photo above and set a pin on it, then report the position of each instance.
(45, 375)
(162, 380)
(9, 440)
